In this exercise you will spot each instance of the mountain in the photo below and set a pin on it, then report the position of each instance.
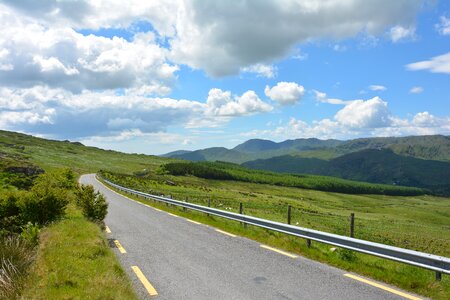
(370, 165)
(432, 147)
(175, 153)
(213, 154)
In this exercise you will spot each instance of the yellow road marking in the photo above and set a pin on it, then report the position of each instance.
(107, 229)
(156, 208)
(192, 221)
(119, 246)
(380, 286)
(148, 286)
(279, 251)
(173, 215)
(224, 232)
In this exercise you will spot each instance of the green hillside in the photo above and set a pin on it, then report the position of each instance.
(431, 147)
(18, 149)
(369, 165)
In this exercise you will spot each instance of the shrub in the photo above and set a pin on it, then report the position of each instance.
(30, 233)
(92, 203)
(10, 219)
(44, 204)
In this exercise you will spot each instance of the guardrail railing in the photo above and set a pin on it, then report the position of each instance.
(439, 264)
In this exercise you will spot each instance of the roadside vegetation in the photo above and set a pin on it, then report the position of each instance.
(229, 171)
(51, 240)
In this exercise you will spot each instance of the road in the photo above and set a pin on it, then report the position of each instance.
(185, 260)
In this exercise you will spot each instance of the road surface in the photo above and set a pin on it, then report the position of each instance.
(184, 260)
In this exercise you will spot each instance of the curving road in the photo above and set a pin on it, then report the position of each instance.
(184, 260)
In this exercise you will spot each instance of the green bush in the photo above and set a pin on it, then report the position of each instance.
(10, 218)
(30, 233)
(44, 204)
(92, 203)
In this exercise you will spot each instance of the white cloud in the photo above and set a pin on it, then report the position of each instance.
(372, 113)
(398, 33)
(444, 26)
(377, 87)
(416, 90)
(322, 97)
(222, 103)
(339, 48)
(421, 124)
(33, 54)
(285, 93)
(437, 64)
(59, 112)
(261, 70)
(221, 38)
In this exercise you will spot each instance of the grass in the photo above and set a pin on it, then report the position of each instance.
(411, 222)
(16, 255)
(50, 155)
(74, 261)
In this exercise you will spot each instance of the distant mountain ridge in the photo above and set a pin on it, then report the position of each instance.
(433, 147)
(419, 161)
(369, 165)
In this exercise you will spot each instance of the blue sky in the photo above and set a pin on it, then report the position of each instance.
(168, 75)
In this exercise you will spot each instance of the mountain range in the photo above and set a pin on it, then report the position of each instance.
(419, 161)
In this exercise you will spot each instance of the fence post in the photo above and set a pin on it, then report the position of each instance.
(241, 211)
(209, 204)
(289, 215)
(352, 225)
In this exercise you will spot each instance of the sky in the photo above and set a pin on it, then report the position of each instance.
(157, 76)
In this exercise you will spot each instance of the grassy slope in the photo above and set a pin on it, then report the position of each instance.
(55, 154)
(74, 261)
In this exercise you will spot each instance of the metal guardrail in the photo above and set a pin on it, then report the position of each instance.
(440, 264)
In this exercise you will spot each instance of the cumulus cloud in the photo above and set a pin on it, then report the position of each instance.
(377, 88)
(33, 54)
(372, 113)
(261, 70)
(416, 90)
(59, 113)
(322, 97)
(398, 33)
(222, 103)
(221, 38)
(382, 123)
(285, 93)
(444, 26)
(437, 64)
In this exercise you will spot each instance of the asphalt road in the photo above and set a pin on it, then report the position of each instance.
(184, 260)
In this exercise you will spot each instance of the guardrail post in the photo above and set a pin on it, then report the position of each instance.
(352, 225)
(308, 243)
(438, 276)
(209, 204)
(184, 208)
(289, 215)
(241, 211)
